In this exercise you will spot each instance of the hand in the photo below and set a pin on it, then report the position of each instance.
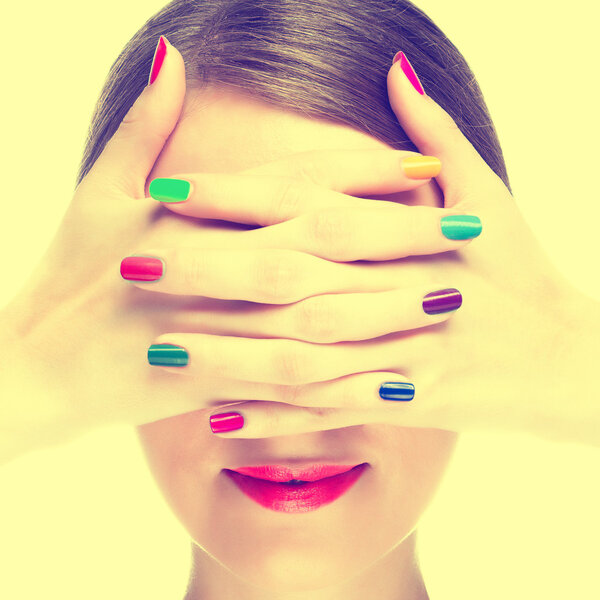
(494, 365)
(76, 335)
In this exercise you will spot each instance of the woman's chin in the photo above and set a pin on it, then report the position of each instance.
(281, 568)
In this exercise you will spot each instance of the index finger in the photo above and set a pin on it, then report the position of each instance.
(296, 185)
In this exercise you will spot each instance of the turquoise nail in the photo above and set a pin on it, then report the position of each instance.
(397, 390)
(167, 355)
(461, 227)
(169, 190)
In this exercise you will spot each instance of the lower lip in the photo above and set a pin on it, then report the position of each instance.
(291, 498)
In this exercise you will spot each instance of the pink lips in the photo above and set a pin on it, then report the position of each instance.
(266, 485)
(279, 473)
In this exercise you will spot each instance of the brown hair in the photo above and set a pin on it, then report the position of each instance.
(326, 59)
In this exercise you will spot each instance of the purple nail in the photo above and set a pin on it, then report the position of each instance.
(442, 301)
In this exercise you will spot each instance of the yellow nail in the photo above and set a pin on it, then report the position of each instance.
(421, 167)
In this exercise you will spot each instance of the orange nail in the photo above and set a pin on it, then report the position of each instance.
(421, 167)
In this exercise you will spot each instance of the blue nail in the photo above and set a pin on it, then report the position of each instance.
(396, 390)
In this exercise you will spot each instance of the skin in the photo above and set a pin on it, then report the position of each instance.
(242, 550)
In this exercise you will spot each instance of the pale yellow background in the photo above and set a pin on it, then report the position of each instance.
(515, 518)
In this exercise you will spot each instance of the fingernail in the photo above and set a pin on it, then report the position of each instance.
(397, 390)
(166, 189)
(421, 167)
(226, 422)
(167, 355)
(442, 301)
(461, 227)
(142, 268)
(409, 71)
(157, 61)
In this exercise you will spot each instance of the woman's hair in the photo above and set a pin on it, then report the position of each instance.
(327, 59)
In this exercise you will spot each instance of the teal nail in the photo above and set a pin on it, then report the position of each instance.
(169, 190)
(397, 390)
(461, 227)
(167, 355)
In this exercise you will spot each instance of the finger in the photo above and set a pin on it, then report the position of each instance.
(266, 276)
(329, 318)
(293, 186)
(130, 154)
(434, 131)
(381, 231)
(259, 419)
(274, 361)
(251, 420)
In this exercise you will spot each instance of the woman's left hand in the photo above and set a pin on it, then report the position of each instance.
(496, 364)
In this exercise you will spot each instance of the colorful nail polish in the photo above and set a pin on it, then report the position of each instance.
(226, 422)
(409, 71)
(442, 301)
(167, 355)
(157, 61)
(461, 227)
(166, 189)
(142, 268)
(421, 167)
(397, 390)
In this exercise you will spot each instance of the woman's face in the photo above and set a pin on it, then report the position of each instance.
(221, 131)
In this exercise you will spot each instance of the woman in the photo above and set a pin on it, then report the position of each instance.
(314, 400)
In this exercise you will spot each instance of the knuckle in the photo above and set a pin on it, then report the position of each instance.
(291, 394)
(192, 269)
(311, 170)
(288, 200)
(411, 229)
(317, 320)
(276, 275)
(331, 231)
(290, 365)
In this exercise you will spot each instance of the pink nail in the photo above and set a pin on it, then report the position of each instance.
(226, 422)
(141, 268)
(157, 61)
(409, 71)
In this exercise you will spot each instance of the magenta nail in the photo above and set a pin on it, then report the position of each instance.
(408, 71)
(226, 422)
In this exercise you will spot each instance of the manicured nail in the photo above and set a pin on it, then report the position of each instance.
(226, 422)
(461, 227)
(409, 72)
(157, 61)
(167, 355)
(442, 301)
(166, 189)
(397, 390)
(142, 268)
(421, 167)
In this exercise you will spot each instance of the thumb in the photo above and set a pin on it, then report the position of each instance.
(435, 133)
(128, 157)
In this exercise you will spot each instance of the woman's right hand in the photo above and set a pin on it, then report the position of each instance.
(74, 338)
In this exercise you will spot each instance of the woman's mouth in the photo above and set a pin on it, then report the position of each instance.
(295, 490)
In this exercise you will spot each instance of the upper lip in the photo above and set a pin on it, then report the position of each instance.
(311, 472)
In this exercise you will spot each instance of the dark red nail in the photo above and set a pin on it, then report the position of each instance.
(141, 268)
(442, 301)
(226, 422)
(157, 61)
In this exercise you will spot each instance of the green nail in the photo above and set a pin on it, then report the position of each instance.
(167, 355)
(461, 227)
(164, 189)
